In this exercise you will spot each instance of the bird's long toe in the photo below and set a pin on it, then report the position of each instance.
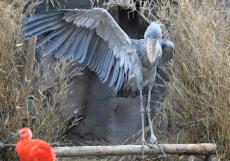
(153, 140)
(154, 144)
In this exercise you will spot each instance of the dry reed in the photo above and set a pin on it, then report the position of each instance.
(199, 91)
(21, 104)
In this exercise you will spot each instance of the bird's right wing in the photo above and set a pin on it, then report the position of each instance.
(92, 37)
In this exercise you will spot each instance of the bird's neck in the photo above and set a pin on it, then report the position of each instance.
(25, 139)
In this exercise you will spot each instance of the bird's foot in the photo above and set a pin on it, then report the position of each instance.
(142, 150)
(154, 144)
(153, 139)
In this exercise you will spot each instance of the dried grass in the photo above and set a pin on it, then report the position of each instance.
(17, 109)
(47, 99)
(198, 101)
(9, 76)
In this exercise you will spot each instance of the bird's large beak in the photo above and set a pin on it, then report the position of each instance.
(151, 49)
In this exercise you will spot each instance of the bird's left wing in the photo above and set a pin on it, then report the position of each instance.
(168, 50)
(92, 37)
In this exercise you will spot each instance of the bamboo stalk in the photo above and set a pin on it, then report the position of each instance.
(120, 150)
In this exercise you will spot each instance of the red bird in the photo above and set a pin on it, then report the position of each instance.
(30, 149)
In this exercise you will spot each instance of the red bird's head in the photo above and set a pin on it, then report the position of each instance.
(29, 149)
(25, 133)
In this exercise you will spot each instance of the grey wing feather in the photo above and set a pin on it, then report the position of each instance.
(90, 54)
(96, 56)
(75, 45)
(107, 66)
(50, 36)
(42, 22)
(120, 79)
(83, 44)
(101, 68)
(107, 74)
(86, 45)
(58, 41)
(115, 74)
(91, 37)
(41, 16)
(64, 48)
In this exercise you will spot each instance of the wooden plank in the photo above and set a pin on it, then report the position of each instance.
(120, 150)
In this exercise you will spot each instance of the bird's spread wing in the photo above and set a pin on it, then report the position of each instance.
(91, 37)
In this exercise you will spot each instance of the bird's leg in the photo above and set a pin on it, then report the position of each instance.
(142, 110)
(139, 81)
(153, 139)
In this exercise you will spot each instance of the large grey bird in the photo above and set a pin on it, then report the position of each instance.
(94, 39)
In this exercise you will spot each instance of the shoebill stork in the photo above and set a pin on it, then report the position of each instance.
(94, 39)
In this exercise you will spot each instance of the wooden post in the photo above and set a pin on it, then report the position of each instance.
(30, 60)
(120, 150)
(29, 72)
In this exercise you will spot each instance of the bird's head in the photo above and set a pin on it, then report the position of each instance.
(25, 133)
(152, 37)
